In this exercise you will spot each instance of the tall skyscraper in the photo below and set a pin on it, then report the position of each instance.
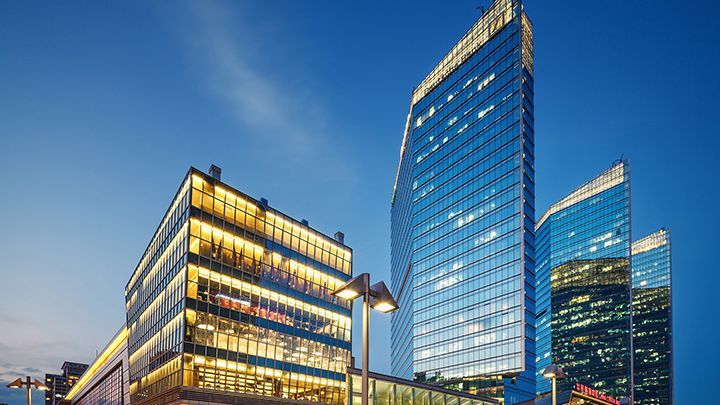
(60, 384)
(232, 300)
(583, 291)
(463, 216)
(652, 319)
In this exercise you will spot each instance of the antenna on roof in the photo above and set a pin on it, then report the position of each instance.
(483, 8)
(620, 160)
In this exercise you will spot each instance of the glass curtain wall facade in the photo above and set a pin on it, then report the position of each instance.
(652, 319)
(108, 392)
(233, 295)
(583, 290)
(463, 216)
(106, 380)
(155, 302)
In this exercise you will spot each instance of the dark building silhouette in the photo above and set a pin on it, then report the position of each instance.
(60, 384)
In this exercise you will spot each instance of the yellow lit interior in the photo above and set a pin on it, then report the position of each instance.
(178, 238)
(159, 300)
(208, 232)
(269, 344)
(166, 330)
(161, 372)
(580, 299)
(274, 296)
(652, 241)
(270, 372)
(606, 181)
(183, 190)
(499, 14)
(235, 203)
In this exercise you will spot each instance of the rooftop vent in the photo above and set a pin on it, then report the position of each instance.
(305, 222)
(215, 172)
(340, 237)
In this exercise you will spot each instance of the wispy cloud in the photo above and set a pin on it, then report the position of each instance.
(229, 55)
(24, 351)
(11, 371)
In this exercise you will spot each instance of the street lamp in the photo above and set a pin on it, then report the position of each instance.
(555, 373)
(379, 298)
(28, 384)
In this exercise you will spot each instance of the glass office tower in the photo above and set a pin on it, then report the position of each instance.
(652, 319)
(232, 295)
(463, 216)
(583, 290)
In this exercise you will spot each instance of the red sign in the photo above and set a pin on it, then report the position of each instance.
(585, 390)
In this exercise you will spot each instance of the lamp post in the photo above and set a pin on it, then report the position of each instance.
(19, 383)
(554, 373)
(377, 297)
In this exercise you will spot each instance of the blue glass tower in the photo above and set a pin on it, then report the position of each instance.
(652, 319)
(463, 216)
(583, 289)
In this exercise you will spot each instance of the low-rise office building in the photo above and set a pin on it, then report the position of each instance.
(106, 379)
(231, 304)
(232, 301)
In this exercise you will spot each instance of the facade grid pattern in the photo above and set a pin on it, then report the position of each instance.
(583, 279)
(462, 226)
(652, 319)
(232, 295)
(108, 392)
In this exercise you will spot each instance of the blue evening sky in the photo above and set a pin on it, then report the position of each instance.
(105, 105)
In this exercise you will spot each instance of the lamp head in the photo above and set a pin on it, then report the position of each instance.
(381, 299)
(347, 293)
(353, 288)
(385, 307)
(40, 386)
(553, 371)
(16, 383)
